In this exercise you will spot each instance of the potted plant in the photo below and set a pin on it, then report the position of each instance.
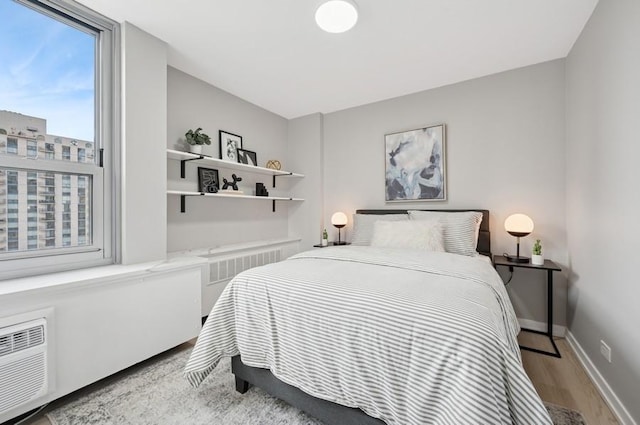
(325, 238)
(536, 258)
(196, 139)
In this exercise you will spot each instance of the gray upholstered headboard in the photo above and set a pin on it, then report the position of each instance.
(484, 236)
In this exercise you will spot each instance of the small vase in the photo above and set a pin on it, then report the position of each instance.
(325, 242)
(197, 149)
(537, 260)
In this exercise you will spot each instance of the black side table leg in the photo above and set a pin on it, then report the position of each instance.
(549, 333)
(550, 312)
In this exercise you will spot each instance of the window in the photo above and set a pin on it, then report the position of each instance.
(59, 207)
(12, 146)
(32, 149)
(49, 151)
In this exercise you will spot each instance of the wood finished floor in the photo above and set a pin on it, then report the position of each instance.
(559, 381)
(563, 381)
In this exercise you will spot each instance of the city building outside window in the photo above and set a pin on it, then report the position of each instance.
(56, 210)
(32, 149)
(12, 146)
(49, 151)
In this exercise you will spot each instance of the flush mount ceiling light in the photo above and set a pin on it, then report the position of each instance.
(336, 16)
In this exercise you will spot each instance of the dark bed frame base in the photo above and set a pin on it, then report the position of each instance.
(326, 411)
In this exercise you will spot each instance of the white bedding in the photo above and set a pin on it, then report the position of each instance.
(408, 337)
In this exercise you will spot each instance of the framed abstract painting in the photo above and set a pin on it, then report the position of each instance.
(229, 144)
(247, 157)
(208, 181)
(415, 165)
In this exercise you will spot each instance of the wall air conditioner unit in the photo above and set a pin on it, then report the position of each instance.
(23, 363)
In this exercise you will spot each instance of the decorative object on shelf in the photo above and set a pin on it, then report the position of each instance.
(184, 158)
(415, 165)
(261, 190)
(518, 225)
(247, 157)
(208, 181)
(536, 257)
(325, 238)
(274, 164)
(196, 139)
(229, 145)
(233, 184)
(339, 220)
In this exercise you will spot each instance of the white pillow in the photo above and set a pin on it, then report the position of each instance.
(460, 229)
(363, 226)
(419, 235)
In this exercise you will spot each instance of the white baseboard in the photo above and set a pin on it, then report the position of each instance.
(603, 387)
(558, 330)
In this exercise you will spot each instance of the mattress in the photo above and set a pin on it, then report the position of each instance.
(409, 337)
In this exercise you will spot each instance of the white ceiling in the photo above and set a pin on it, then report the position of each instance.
(271, 53)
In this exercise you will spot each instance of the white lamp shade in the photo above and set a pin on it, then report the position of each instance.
(339, 219)
(518, 225)
(336, 16)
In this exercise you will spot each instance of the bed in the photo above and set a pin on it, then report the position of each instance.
(375, 335)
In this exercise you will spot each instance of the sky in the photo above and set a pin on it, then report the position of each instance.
(47, 71)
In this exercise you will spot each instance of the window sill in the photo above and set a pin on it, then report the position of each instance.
(94, 276)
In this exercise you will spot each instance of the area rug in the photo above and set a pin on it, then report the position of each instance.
(155, 393)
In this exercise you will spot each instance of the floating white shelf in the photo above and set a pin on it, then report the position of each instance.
(204, 159)
(184, 193)
(185, 157)
(226, 195)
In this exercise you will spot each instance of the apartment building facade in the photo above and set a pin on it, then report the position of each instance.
(42, 209)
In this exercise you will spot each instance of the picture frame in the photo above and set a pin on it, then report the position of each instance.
(415, 166)
(208, 180)
(229, 144)
(247, 157)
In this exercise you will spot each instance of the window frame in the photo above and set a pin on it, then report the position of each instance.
(104, 170)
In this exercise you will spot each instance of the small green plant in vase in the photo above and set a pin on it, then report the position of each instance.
(325, 238)
(536, 258)
(196, 139)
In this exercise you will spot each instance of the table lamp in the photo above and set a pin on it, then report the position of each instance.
(339, 220)
(518, 225)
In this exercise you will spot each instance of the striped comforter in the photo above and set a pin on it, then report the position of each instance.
(408, 337)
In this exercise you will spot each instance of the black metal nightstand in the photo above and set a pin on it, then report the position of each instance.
(550, 267)
(331, 244)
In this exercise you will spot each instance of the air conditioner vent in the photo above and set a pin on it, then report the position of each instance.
(36, 336)
(5, 345)
(23, 363)
(21, 340)
(22, 380)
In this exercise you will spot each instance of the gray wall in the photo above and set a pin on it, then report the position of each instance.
(505, 152)
(603, 198)
(211, 222)
(144, 71)
(305, 153)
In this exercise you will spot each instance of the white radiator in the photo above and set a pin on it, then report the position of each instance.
(224, 269)
(225, 266)
(23, 363)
